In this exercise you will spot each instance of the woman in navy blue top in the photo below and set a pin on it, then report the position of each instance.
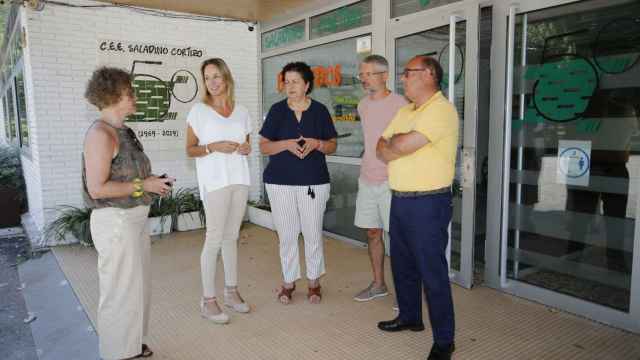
(297, 134)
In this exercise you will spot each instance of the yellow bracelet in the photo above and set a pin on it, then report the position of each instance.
(138, 188)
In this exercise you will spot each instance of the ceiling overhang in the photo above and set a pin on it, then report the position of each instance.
(246, 10)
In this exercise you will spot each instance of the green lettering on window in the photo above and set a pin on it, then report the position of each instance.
(340, 20)
(283, 36)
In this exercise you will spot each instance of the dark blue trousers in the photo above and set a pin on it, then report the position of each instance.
(419, 236)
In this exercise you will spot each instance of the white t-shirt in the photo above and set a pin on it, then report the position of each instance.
(217, 170)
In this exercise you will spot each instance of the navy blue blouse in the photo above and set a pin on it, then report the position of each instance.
(281, 123)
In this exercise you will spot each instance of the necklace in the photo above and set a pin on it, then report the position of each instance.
(302, 106)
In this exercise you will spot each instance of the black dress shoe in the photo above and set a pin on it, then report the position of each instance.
(441, 353)
(396, 325)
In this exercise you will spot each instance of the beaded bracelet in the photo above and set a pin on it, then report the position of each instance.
(138, 189)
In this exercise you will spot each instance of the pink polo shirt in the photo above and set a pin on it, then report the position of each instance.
(375, 115)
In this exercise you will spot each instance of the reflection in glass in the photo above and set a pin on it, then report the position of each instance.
(23, 125)
(435, 43)
(574, 158)
(341, 207)
(7, 126)
(482, 143)
(13, 126)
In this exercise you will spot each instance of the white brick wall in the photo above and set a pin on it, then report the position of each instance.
(60, 56)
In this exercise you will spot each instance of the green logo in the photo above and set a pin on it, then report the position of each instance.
(564, 87)
(154, 95)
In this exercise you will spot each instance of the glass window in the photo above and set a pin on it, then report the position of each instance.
(13, 126)
(405, 7)
(341, 19)
(335, 66)
(7, 127)
(23, 124)
(283, 36)
(575, 157)
(341, 207)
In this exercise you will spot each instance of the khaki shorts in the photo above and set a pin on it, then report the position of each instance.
(373, 205)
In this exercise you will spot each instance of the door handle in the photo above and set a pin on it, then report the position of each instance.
(468, 168)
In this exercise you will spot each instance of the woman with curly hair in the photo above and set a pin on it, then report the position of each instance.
(118, 186)
(297, 134)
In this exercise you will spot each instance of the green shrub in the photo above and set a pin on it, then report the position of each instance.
(163, 207)
(11, 173)
(188, 200)
(71, 220)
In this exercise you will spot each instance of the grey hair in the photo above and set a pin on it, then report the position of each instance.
(377, 60)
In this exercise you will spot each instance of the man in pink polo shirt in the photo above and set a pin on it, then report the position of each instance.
(374, 197)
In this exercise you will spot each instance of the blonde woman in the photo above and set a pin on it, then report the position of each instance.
(218, 138)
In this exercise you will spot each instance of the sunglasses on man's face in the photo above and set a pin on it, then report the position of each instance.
(133, 136)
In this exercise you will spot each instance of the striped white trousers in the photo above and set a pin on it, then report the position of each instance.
(294, 210)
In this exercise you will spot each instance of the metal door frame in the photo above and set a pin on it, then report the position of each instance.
(502, 59)
(469, 11)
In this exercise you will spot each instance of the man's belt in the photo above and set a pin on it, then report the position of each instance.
(420, 193)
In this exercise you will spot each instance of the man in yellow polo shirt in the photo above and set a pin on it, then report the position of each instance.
(420, 146)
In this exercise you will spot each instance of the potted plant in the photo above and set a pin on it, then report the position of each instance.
(161, 214)
(260, 214)
(12, 187)
(189, 213)
(71, 224)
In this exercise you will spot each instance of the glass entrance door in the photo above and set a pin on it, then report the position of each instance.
(571, 155)
(451, 37)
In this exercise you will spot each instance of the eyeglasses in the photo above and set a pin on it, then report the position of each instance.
(369, 74)
(406, 72)
(133, 137)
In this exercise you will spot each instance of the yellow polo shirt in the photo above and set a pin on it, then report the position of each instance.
(432, 166)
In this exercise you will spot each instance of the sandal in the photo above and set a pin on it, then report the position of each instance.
(146, 352)
(285, 295)
(314, 295)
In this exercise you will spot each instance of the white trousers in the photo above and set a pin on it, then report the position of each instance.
(122, 241)
(294, 210)
(225, 210)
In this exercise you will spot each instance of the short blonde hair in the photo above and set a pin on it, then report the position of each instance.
(226, 76)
